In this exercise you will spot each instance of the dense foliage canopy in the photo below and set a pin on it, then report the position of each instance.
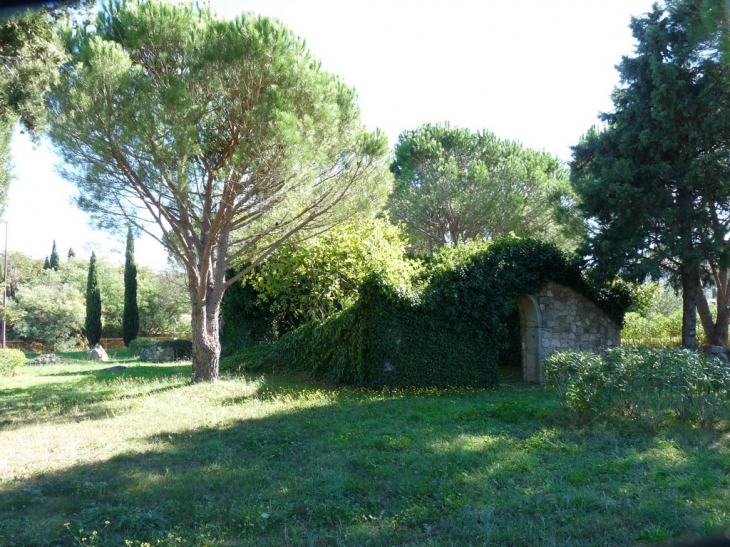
(453, 186)
(51, 312)
(30, 55)
(313, 280)
(48, 306)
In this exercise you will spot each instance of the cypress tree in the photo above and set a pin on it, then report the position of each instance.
(55, 261)
(47, 264)
(71, 253)
(130, 319)
(93, 305)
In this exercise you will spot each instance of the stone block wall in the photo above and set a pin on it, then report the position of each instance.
(572, 322)
(559, 319)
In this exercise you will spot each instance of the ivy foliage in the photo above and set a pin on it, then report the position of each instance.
(444, 327)
(313, 280)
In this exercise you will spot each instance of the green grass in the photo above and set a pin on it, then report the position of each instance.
(142, 455)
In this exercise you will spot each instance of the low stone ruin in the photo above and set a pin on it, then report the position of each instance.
(47, 359)
(159, 355)
(558, 318)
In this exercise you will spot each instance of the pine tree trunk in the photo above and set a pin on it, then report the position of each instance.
(690, 285)
(719, 334)
(206, 341)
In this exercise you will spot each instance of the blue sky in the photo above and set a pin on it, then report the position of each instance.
(533, 71)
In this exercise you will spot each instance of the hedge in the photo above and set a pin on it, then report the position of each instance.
(641, 385)
(446, 329)
(181, 349)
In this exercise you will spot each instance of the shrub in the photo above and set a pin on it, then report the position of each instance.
(10, 361)
(653, 329)
(311, 280)
(49, 311)
(643, 385)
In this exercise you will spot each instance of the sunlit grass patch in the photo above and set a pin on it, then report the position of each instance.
(74, 391)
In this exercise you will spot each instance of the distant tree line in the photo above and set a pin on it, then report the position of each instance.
(49, 305)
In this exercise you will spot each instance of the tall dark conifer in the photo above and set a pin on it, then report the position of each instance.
(54, 262)
(654, 181)
(71, 253)
(130, 321)
(47, 264)
(93, 305)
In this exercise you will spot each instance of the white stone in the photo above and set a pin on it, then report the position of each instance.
(97, 353)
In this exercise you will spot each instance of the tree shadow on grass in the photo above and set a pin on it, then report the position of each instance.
(405, 468)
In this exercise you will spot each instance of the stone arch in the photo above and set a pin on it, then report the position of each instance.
(531, 338)
(557, 318)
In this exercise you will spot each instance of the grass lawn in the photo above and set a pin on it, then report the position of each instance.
(141, 455)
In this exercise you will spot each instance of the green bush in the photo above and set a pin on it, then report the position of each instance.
(653, 329)
(247, 319)
(656, 319)
(311, 280)
(10, 361)
(642, 385)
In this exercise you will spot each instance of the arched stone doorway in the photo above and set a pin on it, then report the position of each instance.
(557, 318)
(531, 337)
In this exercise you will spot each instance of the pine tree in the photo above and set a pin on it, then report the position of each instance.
(93, 305)
(130, 320)
(47, 264)
(333, 168)
(71, 253)
(55, 261)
